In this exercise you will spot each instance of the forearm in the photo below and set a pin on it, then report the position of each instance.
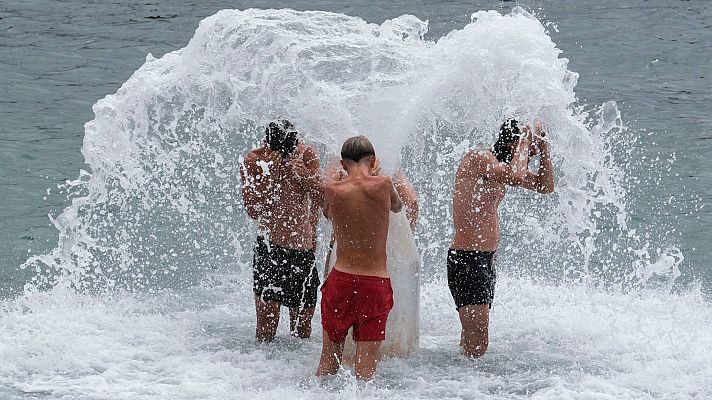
(411, 211)
(546, 172)
(520, 161)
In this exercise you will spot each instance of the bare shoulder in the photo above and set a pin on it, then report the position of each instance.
(473, 161)
(254, 154)
(383, 181)
(332, 188)
(479, 156)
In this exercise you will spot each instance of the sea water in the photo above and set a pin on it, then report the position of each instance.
(147, 293)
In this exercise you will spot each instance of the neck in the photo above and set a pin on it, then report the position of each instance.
(359, 170)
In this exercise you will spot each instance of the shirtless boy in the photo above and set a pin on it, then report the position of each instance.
(480, 185)
(357, 293)
(282, 190)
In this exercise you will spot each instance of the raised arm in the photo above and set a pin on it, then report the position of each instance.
(255, 183)
(541, 181)
(314, 183)
(327, 201)
(513, 173)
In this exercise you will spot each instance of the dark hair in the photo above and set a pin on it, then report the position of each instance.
(508, 133)
(280, 136)
(356, 148)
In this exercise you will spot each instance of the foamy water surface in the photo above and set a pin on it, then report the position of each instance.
(547, 342)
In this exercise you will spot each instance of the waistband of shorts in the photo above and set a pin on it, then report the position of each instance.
(358, 278)
(263, 240)
(471, 252)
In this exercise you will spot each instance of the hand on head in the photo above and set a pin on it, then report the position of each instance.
(296, 163)
(376, 168)
(539, 131)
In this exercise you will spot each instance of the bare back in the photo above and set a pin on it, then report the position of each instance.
(285, 200)
(476, 200)
(359, 208)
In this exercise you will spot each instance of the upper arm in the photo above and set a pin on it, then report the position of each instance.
(316, 184)
(328, 193)
(490, 168)
(311, 160)
(396, 203)
(248, 172)
(250, 194)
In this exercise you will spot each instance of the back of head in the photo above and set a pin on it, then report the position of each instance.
(508, 134)
(281, 136)
(357, 148)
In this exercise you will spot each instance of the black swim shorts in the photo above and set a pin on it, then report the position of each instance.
(471, 277)
(284, 275)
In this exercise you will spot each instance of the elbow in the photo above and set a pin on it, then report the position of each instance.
(397, 207)
(546, 189)
(517, 179)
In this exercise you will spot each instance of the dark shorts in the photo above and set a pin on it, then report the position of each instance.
(471, 277)
(283, 275)
(359, 301)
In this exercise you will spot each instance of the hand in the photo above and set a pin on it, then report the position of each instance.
(526, 135)
(539, 131)
(376, 168)
(338, 175)
(298, 168)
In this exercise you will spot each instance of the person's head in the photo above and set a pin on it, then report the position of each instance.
(507, 141)
(281, 136)
(358, 150)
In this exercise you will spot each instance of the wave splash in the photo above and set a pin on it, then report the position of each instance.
(160, 209)
(160, 205)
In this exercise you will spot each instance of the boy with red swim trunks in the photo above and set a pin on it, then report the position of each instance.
(357, 293)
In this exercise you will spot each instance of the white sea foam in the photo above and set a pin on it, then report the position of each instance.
(548, 342)
(164, 149)
(583, 311)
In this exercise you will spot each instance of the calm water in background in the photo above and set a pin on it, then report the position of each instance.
(57, 58)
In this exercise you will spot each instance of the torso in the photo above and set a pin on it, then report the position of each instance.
(285, 219)
(360, 210)
(475, 208)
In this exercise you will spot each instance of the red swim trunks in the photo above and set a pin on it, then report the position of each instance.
(359, 301)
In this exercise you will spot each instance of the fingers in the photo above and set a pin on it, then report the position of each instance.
(297, 166)
(539, 129)
(377, 168)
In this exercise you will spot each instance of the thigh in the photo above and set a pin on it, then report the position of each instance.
(302, 281)
(471, 279)
(268, 272)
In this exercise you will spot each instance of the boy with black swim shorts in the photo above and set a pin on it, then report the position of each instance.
(357, 293)
(282, 191)
(480, 185)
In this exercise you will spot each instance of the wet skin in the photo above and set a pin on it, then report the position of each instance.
(359, 207)
(480, 185)
(283, 195)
